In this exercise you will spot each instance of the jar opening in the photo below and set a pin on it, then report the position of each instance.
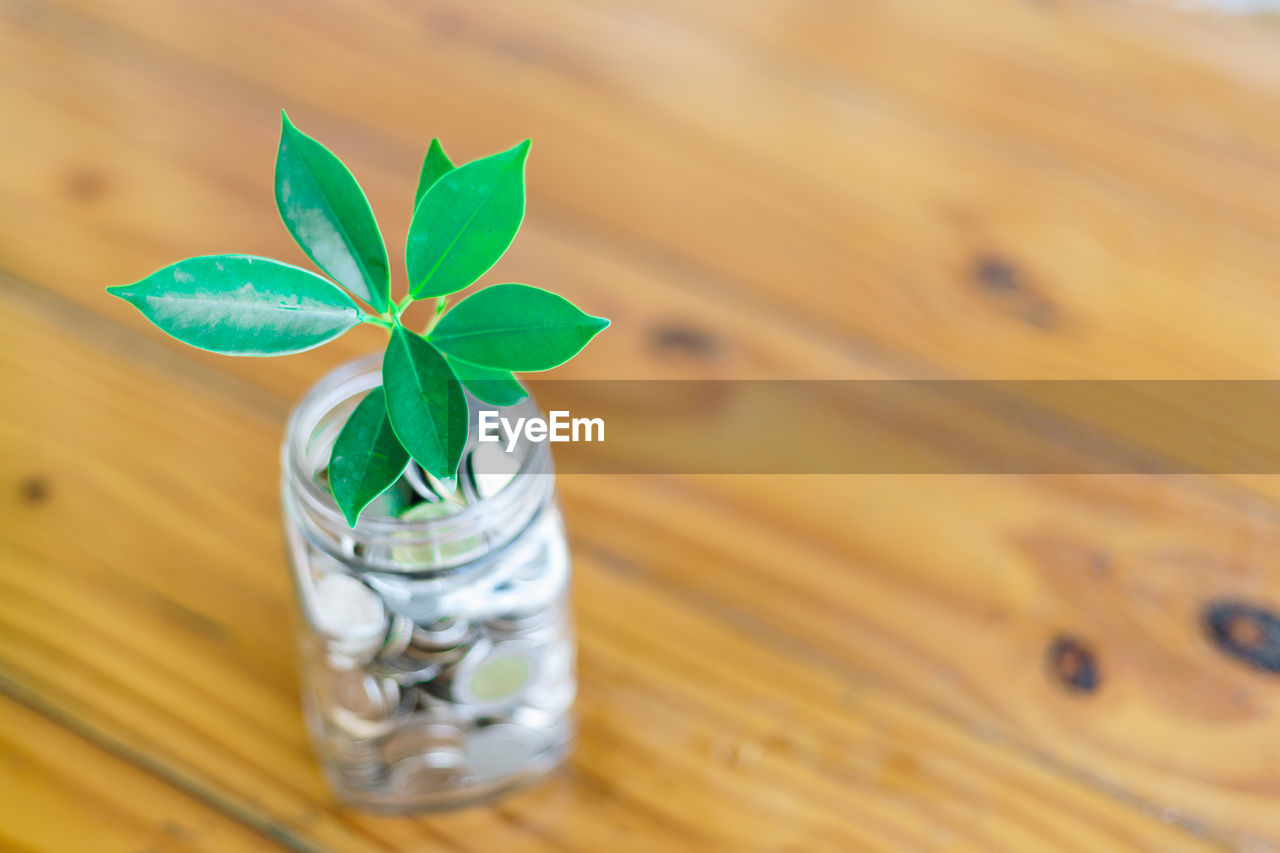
(408, 532)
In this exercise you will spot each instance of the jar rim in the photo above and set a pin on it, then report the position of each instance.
(339, 386)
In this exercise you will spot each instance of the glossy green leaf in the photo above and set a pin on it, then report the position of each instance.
(498, 387)
(367, 457)
(434, 165)
(242, 305)
(515, 327)
(464, 223)
(328, 215)
(425, 402)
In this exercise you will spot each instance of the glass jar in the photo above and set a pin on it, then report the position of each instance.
(437, 642)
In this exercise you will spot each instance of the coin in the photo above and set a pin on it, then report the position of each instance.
(358, 762)
(535, 578)
(490, 469)
(397, 638)
(428, 772)
(413, 654)
(362, 705)
(346, 608)
(432, 489)
(348, 616)
(492, 674)
(440, 643)
(363, 695)
(395, 500)
(533, 717)
(556, 686)
(442, 634)
(423, 733)
(426, 756)
(510, 625)
(501, 749)
(420, 549)
(406, 596)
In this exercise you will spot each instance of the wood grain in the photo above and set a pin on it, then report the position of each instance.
(700, 729)
(1104, 203)
(761, 189)
(60, 792)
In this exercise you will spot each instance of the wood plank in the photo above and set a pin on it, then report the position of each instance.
(664, 325)
(700, 729)
(886, 188)
(962, 617)
(59, 792)
(879, 181)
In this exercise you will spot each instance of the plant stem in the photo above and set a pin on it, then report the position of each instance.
(435, 318)
(377, 321)
(403, 304)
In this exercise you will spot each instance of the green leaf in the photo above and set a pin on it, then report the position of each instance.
(515, 327)
(241, 305)
(434, 166)
(464, 223)
(498, 387)
(328, 215)
(425, 402)
(367, 457)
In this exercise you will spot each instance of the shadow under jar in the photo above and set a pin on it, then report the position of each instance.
(437, 642)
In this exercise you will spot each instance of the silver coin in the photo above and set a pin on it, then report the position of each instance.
(397, 639)
(536, 580)
(425, 756)
(349, 756)
(490, 469)
(362, 705)
(413, 654)
(348, 620)
(423, 734)
(501, 749)
(441, 635)
(440, 645)
(356, 758)
(533, 717)
(357, 726)
(522, 624)
(440, 709)
(554, 690)
(393, 501)
(346, 609)
(413, 599)
(429, 771)
(417, 479)
(432, 489)
(416, 680)
(364, 695)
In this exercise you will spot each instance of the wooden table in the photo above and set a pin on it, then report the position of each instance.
(762, 188)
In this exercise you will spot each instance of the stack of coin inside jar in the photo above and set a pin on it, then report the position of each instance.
(439, 666)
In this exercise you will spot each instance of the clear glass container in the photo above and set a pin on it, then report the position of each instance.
(437, 642)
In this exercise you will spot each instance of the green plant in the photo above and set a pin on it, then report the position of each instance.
(464, 219)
